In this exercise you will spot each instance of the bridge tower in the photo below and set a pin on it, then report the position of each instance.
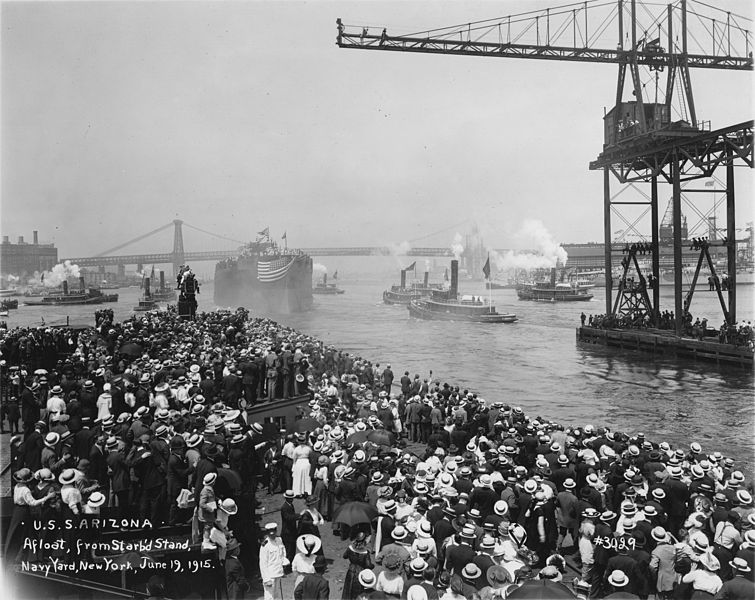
(178, 246)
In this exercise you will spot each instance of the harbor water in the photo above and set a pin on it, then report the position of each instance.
(535, 362)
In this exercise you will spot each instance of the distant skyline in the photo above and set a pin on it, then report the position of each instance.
(118, 117)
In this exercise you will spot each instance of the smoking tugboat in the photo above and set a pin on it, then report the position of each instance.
(551, 291)
(325, 288)
(401, 294)
(147, 301)
(446, 305)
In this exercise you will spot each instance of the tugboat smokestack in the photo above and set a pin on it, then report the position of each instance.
(403, 278)
(82, 284)
(454, 277)
(427, 278)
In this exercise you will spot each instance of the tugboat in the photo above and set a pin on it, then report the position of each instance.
(147, 301)
(64, 297)
(9, 303)
(550, 291)
(446, 305)
(329, 289)
(401, 294)
(163, 293)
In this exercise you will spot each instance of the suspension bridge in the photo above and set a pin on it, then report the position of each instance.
(179, 255)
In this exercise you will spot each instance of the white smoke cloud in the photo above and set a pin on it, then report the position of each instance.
(59, 273)
(456, 246)
(399, 249)
(428, 265)
(319, 269)
(547, 252)
(13, 279)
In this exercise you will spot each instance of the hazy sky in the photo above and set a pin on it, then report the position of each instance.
(119, 117)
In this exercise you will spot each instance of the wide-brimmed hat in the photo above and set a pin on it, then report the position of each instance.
(23, 475)
(501, 508)
(699, 542)
(569, 484)
(418, 565)
(44, 475)
(308, 544)
(497, 575)
(468, 531)
(228, 506)
(399, 533)
(709, 561)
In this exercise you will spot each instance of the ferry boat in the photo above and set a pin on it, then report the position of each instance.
(447, 305)
(147, 301)
(65, 297)
(265, 277)
(552, 291)
(325, 288)
(9, 303)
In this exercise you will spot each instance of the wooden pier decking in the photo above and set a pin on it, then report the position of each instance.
(667, 343)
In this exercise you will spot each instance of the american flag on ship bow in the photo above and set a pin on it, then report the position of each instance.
(274, 270)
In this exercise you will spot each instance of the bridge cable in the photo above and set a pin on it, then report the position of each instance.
(217, 235)
(136, 239)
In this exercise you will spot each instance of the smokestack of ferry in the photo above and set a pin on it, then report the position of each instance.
(65, 287)
(162, 280)
(146, 287)
(427, 278)
(35, 233)
(403, 278)
(82, 284)
(553, 277)
(454, 277)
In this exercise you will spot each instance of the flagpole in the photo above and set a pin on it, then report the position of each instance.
(490, 290)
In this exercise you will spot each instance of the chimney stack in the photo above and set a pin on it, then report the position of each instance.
(82, 284)
(553, 277)
(454, 278)
(427, 278)
(403, 278)
(20, 239)
(35, 233)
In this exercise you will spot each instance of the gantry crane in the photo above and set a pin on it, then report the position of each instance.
(644, 138)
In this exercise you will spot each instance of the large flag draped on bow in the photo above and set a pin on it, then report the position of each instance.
(273, 270)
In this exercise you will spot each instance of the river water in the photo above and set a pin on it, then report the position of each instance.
(535, 362)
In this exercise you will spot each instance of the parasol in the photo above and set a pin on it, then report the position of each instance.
(131, 349)
(381, 437)
(306, 425)
(543, 589)
(354, 513)
(357, 437)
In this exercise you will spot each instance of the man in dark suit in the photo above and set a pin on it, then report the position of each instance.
(30, 407)
(289, 520)
(314, 586)
(235, 577)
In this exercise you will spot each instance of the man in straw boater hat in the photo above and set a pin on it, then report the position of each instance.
(741, 585)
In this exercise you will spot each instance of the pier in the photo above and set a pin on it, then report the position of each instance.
(667, 343)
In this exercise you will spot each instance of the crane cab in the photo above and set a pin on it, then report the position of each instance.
(622, 124)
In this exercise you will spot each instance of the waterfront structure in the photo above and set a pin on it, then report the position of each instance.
(23, 259)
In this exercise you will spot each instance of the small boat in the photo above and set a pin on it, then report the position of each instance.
(65, 297)
(551, 291)
(325, 288)
(403, 294)
(3, 313)
(9, 303)
(446, 305)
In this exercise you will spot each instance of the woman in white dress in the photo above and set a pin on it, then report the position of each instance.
(302, 482)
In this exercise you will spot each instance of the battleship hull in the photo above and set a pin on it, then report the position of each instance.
(242, 282)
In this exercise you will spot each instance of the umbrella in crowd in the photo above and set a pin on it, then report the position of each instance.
(542, 589)
(354, 513)
(131, 349)
(381, 437)
(306, 425)
(357, 437)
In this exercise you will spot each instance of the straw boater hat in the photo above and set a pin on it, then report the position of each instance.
(618, 578)
(51, 439)
(210, 478)
(23, 475)
(740, 564)
(96, 499)
(67, 477)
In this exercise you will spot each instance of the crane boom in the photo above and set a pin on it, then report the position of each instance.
(439, 45)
